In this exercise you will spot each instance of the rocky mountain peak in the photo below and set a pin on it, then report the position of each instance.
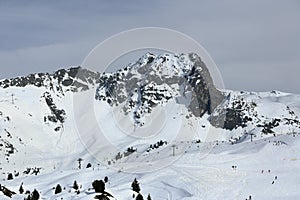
(156, 79)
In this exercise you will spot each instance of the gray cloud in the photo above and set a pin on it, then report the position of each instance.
(255, 44)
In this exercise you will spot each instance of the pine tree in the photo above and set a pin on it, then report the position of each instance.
(99, 186)
(75, 185)
(139, 197)
(149, 197)
(105, 179)
(10, 176)
(21, 189)
(135, 186)
(57, 189)
(89, 165)
(35, 195)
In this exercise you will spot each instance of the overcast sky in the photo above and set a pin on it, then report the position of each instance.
(255, 44)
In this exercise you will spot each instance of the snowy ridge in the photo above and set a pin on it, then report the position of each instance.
(73, 79)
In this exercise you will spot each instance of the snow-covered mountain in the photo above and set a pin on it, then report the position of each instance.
(40, 145)
(156, 80)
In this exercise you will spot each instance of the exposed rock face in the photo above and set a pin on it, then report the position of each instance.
(74, 79)
(58, 115)
(155, 80)
(207, 96)
(233, 113)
